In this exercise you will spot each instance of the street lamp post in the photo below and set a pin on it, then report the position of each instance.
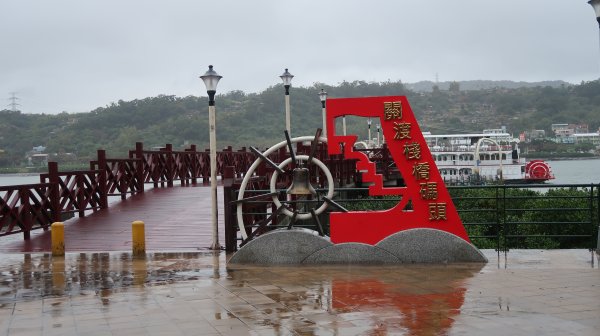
(596, 5)
(287, 82)
(211, 79)
(369, 135)
(378, 126)
(323, 97)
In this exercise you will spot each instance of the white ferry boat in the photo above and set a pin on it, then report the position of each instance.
(489, 156)
(492, 155)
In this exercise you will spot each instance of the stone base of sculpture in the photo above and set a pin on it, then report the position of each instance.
(302, 246)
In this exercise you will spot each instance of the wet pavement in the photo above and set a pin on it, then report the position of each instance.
(526, 292)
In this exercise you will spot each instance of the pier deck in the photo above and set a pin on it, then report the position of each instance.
(175, 219)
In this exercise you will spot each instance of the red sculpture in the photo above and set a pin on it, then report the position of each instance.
(425, 201)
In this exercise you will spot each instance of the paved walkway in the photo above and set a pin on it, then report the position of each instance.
(176, 218)
(529, 293)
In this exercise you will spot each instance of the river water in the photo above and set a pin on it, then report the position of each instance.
(565, 171)
(575, 171)
(14, 179)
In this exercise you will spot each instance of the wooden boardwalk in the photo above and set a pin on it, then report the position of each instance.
(177, 219)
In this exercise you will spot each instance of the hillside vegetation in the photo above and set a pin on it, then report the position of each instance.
(257, 119)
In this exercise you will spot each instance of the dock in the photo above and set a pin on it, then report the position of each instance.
(176, 219)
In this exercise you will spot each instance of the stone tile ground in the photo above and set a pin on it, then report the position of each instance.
(522, 293)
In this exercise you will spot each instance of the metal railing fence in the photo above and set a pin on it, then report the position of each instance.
(501, 217)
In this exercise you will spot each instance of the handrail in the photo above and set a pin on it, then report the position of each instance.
(60, 195)
(495, 216)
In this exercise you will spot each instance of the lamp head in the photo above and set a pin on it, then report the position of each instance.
(211, 79)
(596, 5)
(323, 95)
(287, 78)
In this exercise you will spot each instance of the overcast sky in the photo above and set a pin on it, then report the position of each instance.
(77, 55)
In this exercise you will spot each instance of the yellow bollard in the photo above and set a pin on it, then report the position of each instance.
(138, 237)
(57, 231)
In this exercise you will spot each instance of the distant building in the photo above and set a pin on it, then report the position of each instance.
(495, 130)
(38, 160)
(593, 138)
(531, 135)
(564, 139)
(38, 149)
(581, 128)
(567, 130)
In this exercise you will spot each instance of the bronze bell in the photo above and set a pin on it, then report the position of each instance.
(301, 183)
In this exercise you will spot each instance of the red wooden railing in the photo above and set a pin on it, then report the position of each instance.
(25, 206)
(59, 195)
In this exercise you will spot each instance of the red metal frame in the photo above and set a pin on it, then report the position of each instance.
(425, 201)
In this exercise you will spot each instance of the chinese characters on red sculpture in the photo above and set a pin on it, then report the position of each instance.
(424, 200)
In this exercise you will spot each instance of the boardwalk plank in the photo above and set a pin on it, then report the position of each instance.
(175, 218)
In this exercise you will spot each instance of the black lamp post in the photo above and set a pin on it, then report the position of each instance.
(211, 79)
(287, 82)
(378, 127)
(323, 98)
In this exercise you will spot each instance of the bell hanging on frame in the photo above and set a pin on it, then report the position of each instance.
(301, 183)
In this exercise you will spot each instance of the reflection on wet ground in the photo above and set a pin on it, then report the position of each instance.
(521, 293)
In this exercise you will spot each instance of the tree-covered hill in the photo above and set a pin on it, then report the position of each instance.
(427, 86)
(257, 119)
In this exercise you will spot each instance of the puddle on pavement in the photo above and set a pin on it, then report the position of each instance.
(413, 297)
(31, 276)
(418, 299)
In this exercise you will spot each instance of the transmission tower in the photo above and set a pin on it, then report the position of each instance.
(13, 102)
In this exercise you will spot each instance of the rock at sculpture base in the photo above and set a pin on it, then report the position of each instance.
(351, 253)
(430, 246)
(302, 246)
(281, 247)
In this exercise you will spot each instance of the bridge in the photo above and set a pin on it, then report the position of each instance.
(167, 190)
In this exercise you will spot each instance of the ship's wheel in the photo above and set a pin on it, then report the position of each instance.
(296, 166)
